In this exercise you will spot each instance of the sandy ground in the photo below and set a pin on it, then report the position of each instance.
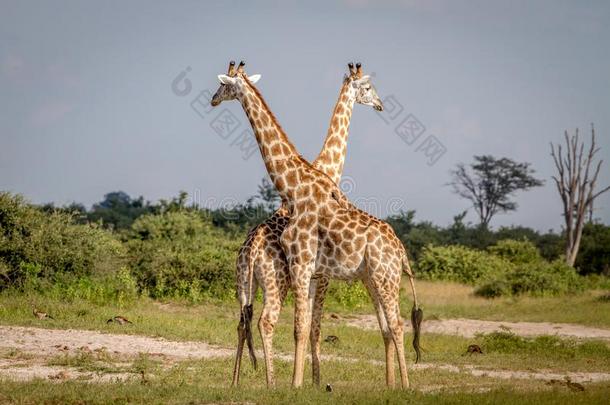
(36, 345)
(48, 342)
(470, 327)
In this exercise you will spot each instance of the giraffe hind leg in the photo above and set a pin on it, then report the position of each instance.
(241, 338)
(386, 333)
(273, 294)
(387, 289)
(395, 324)
(244, 333)
(314, 337)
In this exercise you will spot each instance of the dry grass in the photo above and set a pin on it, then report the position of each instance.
(451, 300)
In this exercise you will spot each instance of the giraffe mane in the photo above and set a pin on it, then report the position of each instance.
(275, 121)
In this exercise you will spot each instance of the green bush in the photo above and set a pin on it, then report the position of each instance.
(348, 295)
(181, 254)
(596, 282)
(461, 264)
(517, 252)
(544, 278)
(119, 288)
(594, 253)
(44, 245)
(537, 278)
(508, 268)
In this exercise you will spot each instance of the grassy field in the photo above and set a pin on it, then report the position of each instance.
(450, 300)
(207, 380)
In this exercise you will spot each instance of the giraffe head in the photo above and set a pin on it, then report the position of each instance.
(232, 83)
(361, 88)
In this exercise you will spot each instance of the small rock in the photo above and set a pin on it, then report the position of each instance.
(576, 387)
(331, 339)
(121, 320)
(474, 349)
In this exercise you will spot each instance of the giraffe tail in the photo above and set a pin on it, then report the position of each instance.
(246, 321)
(247, 311)
(245, 295)
(244, 335)
(417, 314)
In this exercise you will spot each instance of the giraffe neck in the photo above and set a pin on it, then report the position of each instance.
(279, 154)
(332, 156)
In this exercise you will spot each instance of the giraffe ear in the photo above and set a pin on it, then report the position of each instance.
(224, 79)
(254, 78)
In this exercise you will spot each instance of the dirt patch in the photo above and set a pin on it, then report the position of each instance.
(470, 327)
(48, 341)
(25, 371)
(31, 346)
(544, 375)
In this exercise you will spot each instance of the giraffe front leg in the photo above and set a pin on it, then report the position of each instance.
(300, 245)
(302, 322)
(316, 321)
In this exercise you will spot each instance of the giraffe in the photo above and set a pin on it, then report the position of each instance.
(261, 261)
(325, 234)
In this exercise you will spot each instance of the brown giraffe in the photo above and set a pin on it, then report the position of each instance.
(325, 234)
(261, 261)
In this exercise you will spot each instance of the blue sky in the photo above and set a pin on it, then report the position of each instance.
(87, 107)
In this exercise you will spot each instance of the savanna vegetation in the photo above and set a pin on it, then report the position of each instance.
(169, 267)
(124, 247)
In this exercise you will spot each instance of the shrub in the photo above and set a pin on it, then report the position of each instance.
(119, 288)
(536, 278)
(596, 282)
(461, 264)
(49, 244)
(348, 295)
(531, 274)
(181, 254)
(517, 252)
(543, 278)
(594, 253)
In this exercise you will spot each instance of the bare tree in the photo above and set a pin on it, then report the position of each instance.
(490, 182)
(576, 185)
